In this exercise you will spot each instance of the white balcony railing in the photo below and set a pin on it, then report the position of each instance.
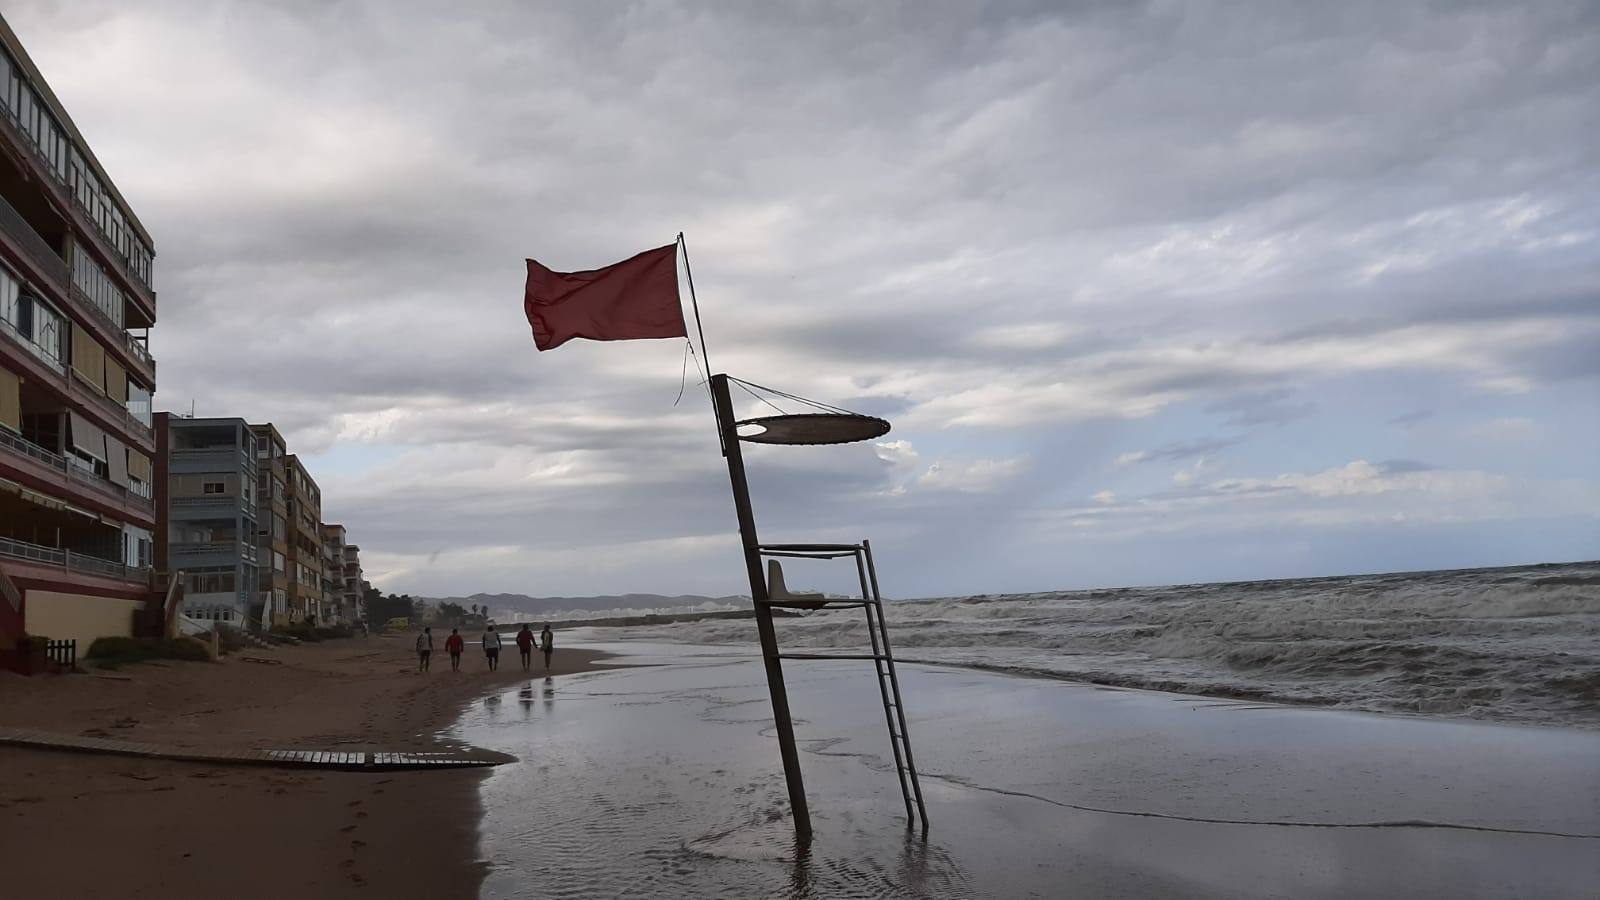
(72, 561)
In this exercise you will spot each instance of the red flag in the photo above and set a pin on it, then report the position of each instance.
(635, 298)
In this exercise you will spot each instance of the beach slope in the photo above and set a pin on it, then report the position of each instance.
(74, 822)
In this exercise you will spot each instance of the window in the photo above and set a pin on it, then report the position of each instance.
(139, 402)
(90, 279)
(215, 581)
(213, 487)
(38, 325)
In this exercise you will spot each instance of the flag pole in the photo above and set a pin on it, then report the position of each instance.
(705, 357)
(694, 301)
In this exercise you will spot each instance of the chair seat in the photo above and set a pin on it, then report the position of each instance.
(778, 594)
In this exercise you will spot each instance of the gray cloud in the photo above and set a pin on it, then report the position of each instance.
(1033, 235)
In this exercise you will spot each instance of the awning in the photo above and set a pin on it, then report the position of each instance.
(82, 512)
(42, 500)
(116, 461)
(87, 436)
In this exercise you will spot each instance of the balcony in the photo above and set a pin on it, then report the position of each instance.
(210, 553)
(72, 561)
(223, 458)
(212, 507)
(43, 257)
(114, 337)
(113, 415)
(46, 462)
(42, 369)
(83, 223)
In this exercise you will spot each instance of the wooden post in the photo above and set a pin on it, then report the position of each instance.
(758, 594)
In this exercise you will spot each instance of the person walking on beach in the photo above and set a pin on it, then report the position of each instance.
(547, 643)
(525, 646)
(424, 649)
(491, 647)
(453, 645)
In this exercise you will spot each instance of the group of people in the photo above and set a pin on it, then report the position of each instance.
(455, 645)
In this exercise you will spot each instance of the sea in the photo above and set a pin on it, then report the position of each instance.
(1425, 735)
(1515, 644)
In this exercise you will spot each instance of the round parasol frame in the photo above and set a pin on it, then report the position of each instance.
(813, 429)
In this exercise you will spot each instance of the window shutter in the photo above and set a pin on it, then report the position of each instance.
(116, 461)
(10, 400)
(89, 358)
(87, 436)
(116, 381)
(139, 466)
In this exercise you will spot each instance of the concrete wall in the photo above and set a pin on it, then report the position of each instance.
(82, 617)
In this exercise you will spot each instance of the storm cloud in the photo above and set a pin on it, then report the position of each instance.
(1234, 244)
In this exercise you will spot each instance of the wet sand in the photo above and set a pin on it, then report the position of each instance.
(668, 785)
(72, 822)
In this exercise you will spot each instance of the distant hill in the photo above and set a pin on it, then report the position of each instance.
(503, 606)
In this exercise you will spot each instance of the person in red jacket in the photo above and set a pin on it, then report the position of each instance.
(525, 646)
(453, 645)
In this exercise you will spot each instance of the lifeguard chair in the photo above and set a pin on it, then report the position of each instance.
(828, 425)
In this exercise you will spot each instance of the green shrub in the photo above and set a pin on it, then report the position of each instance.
(114, 652)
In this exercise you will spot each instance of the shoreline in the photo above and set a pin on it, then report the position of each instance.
(162, 828)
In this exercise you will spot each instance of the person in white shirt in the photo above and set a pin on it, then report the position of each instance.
(424, 649)
(491, 647)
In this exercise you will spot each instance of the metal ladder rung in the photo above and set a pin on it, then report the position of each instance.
(883, 661)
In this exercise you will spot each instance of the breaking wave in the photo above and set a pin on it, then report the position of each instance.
(1518, 644)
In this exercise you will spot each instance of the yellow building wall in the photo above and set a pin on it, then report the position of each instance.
(79, 617)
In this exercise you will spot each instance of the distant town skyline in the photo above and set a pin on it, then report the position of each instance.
(1151, 294)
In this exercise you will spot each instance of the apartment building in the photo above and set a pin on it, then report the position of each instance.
(342, 576)
(272, 528)
(354, 587)
(305, 542)
(77, 517)
(206, 510)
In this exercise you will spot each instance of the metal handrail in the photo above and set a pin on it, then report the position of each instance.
(20, 444)
(209, 546)
(32, 552)
(9, 591)
(72, 560)
(33, 347)
(37, 248)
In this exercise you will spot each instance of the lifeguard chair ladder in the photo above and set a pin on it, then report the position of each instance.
(894, 714)
(827, 425)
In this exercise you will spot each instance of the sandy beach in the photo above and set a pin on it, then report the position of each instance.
(143, 828)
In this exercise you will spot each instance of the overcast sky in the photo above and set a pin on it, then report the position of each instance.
(1151, 292)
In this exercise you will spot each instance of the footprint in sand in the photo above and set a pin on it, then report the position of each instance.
(359, 815)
